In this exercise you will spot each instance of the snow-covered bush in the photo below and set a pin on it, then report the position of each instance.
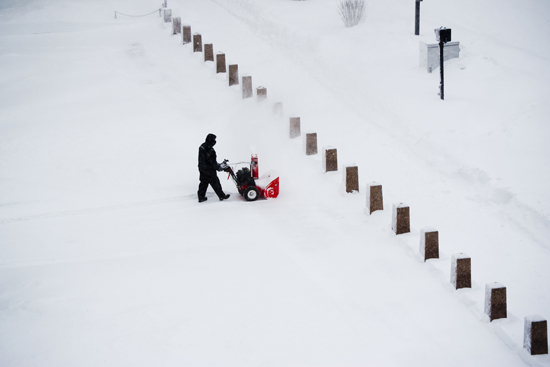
(352, 11)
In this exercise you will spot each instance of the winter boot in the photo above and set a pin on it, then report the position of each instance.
(225, 197)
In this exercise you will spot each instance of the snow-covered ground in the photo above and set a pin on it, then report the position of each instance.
(107, 259)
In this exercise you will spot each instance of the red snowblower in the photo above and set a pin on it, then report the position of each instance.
(250, 186)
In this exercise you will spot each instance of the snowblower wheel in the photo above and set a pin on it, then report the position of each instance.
(251, 193)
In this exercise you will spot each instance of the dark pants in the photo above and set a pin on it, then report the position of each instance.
(210, 178)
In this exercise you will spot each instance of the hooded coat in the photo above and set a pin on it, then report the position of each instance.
(208, 164)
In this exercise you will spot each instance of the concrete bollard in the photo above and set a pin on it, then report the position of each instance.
(186, 34)
(401, 222)
(167, 15)
(374, 197)
(294, 127)
(247, 87)
(429, 243)
(208, 52)
(311, 143)
(176, 26)
(461, 271)
(330, 159)
(535, 336)
(197, 42)
(261, 92)
(351, 178)
(495, 301)
(233, 75)
(220, 63)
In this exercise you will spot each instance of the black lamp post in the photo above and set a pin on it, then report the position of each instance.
(443, 35)
(417, 18)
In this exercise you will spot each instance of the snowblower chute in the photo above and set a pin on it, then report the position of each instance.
(250, 186)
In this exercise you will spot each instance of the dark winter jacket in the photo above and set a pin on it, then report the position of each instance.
(207, 156)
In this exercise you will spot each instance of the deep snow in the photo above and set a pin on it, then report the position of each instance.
(106, 258)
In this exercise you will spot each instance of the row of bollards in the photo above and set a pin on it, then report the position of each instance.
(535, 327)
(536, 340)
(221, 67)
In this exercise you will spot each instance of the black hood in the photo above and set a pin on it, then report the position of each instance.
(210, 140)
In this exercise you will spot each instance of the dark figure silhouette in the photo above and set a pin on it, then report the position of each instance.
(208, 167)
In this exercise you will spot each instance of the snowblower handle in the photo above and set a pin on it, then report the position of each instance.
(224, 166)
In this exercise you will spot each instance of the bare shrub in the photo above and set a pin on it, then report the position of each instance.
(352, 11)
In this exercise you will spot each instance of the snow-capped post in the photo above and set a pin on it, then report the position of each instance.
(417, 18)
(311, 143)
(374, 197)
(208, 52)
(294, 127)
(351, 177)
(233, 74)
(278, 109)
(429, 243)
(220, 63)
(495, 301)
(461, 271)
(443, 35)
(247, 87)
(197, 42)
(167, 15)
(401, 222)
(535, 336)
(330, 159)
(186, 34)
(261, 92)
(176, 26)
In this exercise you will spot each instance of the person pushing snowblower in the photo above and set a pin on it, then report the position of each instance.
(208, 167)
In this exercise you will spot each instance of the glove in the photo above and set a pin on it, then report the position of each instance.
(223, 167)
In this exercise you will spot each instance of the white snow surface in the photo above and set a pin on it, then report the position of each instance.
(107, 258)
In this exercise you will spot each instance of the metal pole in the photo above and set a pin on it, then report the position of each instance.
(417, 19)
(442, 85)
